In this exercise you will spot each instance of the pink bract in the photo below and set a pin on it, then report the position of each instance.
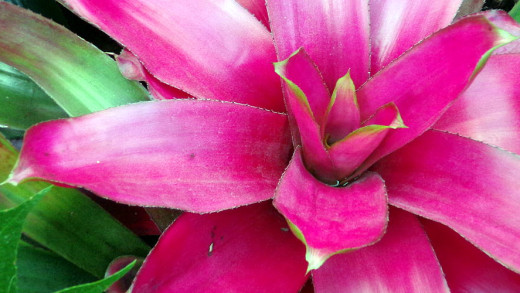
(362, 90)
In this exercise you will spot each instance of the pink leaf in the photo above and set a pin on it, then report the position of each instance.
(208, 49)
(467, 185)
(398, 25)
(307, 100)
(329, 219)
(448, 61)
(334, 33)
(343, 111)
(258, 9)
(299, 70)
(489, 110)
(467, 268)
(249, 249)
(184, 154)
(403, 261)
(348, 153)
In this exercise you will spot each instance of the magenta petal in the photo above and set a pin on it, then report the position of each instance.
(249, 249)
(258, 9)
(467, 268)
(422, 93)
(299, 70)
(398, 25)
(334, 33)
(403, 261)
(329, 219)
(343, 111)
(489, 110)
(467, 185)
(209, 49)
(162, 91)
(348, 153)
(184, 154)
(308, 106)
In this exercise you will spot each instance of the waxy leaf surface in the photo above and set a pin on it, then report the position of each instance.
(164, 153)
(489, 110)
(249, 249)
(465, 184)
(334, 33)
(468, 269)
(398, 25)
(402, 261)
(422, 93)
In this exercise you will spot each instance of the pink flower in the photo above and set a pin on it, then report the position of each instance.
(393, 133)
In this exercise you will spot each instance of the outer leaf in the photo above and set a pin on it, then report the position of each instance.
(329, 220)
(67, 216)
(334, 33)
(164, 154)
(209, 49)
(11, 225)
(489, 110)
(249, 249)
(258, 9)
(467, 185)
(468, 269)
(398, 25)
(422, 93)
(101, 285)
(403, 261)
(41, 271)
(80, 78)
(22, 102)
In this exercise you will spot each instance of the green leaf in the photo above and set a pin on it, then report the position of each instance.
(11, 224)
(42, 271)
(78, 76)
(68, 222)
(515, 12)
(22, 102)
(100, 285)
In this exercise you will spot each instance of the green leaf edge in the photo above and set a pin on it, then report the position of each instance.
(101, 285)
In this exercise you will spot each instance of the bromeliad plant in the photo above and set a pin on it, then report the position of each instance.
(387, 104)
